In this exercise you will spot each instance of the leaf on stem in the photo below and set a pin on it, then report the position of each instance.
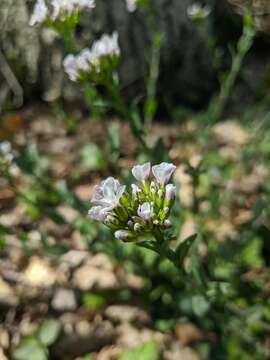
(183, 248)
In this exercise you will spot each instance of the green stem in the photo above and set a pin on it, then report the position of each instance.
(243, 46)
(119, 105)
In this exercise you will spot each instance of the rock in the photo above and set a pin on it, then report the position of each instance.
(230, 133)
(86, 337)
(188, 333)
(97, 273)
(2, 355)
(127, 314)
(177, 352)
(4, 338)
(129, 336)
(7, 294)
(84, 192)
(101, 261)
(132, 281)
(68, 213)
(74, 258)
(109, 353)
(64, 300)
(39, 273)
(89, 277)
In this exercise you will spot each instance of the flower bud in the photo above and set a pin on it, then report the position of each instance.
(167, 223)
(124, 235)
(145, 211)
(160, 193)
(170, 192)
(141, 172)
(137, 227)
(163, 172)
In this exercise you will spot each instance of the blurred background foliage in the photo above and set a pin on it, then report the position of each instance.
(68, 290)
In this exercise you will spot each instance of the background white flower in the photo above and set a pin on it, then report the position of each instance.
(39, 14)
(131, 5)
(71, 67)
(89, 59)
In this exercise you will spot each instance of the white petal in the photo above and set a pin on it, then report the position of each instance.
(141, 172)
(163, 172)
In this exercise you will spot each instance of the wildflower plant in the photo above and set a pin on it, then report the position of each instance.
(142, 215)
(61, 15)
(94, 65)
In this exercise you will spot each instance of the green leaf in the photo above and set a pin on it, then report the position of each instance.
(147, 351)
(200, 305)
(93, 301)
(183, 248)
(92, 157)
(30, 348)
(49, 332)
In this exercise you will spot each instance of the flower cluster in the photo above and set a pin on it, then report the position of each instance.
(58, 10)
(89, 62)
(131, 5)
(198, 12)
(146, 210)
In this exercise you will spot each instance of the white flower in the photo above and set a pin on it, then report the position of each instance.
(39, 14)
(197, 12)
(97, 213)
(106, 46)
(131, 5)
(145, 211)
(71, 67)
(61, 8)
(141, 172)
(135, 189)
(89, 59)
(163, 172)
(84, 60)
(108, 194)
(170, 192)
(122, 235)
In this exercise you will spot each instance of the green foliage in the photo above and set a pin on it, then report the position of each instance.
(30, 348)
(147, 351)
(36, 347)
(48, 332)
(93, 301)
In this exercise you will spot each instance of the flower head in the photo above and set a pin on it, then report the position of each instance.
(39, 14)
(108, 194)
(145, 211)
(131, 5)
(163, 172)
(123, 235)
(71, 68)
(198, 12)
(60, 10)
(141, 172)
(140, 213)
(91, 60)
